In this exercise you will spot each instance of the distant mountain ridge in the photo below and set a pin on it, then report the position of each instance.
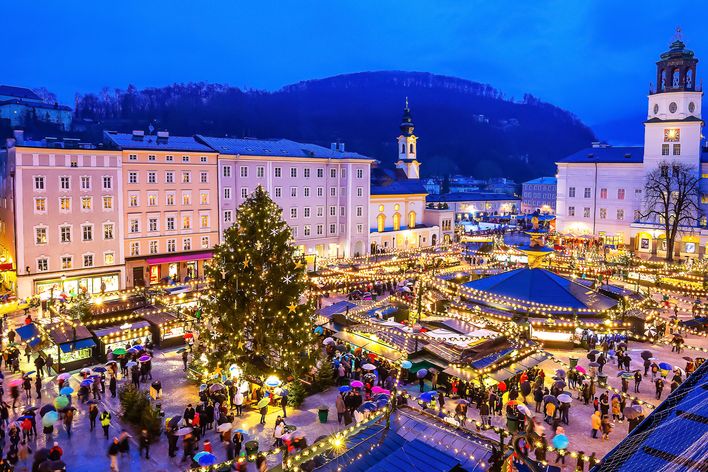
(464, 126)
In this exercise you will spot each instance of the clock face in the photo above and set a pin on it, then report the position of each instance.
(672, 135)
(673, 107)
(656, 108)
(691, 107)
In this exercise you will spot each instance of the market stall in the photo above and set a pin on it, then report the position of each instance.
(71, 346)
(125, 335)
(166, 328)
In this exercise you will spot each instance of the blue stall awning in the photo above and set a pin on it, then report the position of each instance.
(80, 344)
(29, 332)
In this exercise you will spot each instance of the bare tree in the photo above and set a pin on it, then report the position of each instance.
(671, 199)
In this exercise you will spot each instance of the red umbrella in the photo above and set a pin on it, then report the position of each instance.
(188, 335)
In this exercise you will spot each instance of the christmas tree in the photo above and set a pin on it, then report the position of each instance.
(256, 315)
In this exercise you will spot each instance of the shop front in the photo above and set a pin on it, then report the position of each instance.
(123, 336)
(175, 268)
(71, 347)
(71, 286)
(167, 329)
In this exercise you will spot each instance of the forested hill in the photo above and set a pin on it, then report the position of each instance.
(463, 126)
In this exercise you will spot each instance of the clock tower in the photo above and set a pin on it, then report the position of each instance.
(673, 127)
(407, 146)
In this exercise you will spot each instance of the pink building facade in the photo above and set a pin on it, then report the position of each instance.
(324, 192)
(66, 217)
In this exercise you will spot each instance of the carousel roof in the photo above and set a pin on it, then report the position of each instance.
(544, 287)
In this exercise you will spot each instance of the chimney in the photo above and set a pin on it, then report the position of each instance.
(163, 134)
(337, 146)
(138, 134)
(19, 136)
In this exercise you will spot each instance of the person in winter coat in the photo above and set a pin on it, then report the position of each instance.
(341, 407)
(105, 422)
(538, 398)
(606, 427)
(615, 409)
(112, 386)
(238, 402)
(145, 443)
(93, 414)
(659, 387)
(113, 451)
(637, 381)
(595, 423)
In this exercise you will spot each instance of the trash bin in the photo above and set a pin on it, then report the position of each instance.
(602, 380)
(573, 362)
(323, 413)
(251, 450)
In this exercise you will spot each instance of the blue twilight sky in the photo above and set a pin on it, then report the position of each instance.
(594, 58)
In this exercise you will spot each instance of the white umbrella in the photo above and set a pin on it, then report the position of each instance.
(565, 398)
(328, 341)
(368, 367)
(523, 409)
(405, 289)
(222, 428)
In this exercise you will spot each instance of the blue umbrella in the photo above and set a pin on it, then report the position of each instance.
(99, 369)
(66, 391)
(371, 406)
(319, 330)
(137, 348)
(86, 383)
(381, 396)
(560, 441)
(406, 364)
(27, 374)
(428, 396)
(665, 366)
(242, 431)
(381, 402)
(421, 373)
(344, 389)
(206, 459)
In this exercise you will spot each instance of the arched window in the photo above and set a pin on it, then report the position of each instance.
(434, 240)
(381, 222)
(675, 78)
(396, 221)
(403, 148)
(663, 81)
(412, 149)
(689, 78)
(411, 219)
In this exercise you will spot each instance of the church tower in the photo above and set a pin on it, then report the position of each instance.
(407, 146)
(672, 131)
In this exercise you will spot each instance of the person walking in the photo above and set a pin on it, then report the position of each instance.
(595, 423)
(105, 422)
(38, 387)
(93, 414)
(113, 450)
(659, 387)
(68, 421)
(284, 402)
(112, 386)
(637, 381)
(185, 357)
(145, 443)
(341, 407)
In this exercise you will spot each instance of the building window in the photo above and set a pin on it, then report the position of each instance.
(586, 193)
(66, 262)
(152, 224)
(359, 228)
(396, 221)
(586, 212)
(227, 193)
(171, 245)
(226, 171)
(620, 215)
(260, 171)
(244, 192)
(87, 233)
(42, 265)
(332, 211)
(108, 231)
(664, 149)
(152, 199)
(203, 198)
(135, 248)
(228, 216)
(293, 172)
(277, 171)
(360, 191)
(186, 198)
(185, 158)
(571, 211)
(133, 157)
(39, 183)
(244, 171)
(152, 177)
(133, 200)
(320, 229)
(40, 235)
(203, 159)
(86, 203)
(40, 205)
(186, 177)
(306, 192)
(109, 258)
(359, 211)
(307, 230)
(204, 177)
(278, 192)
(306, 212)
(306, 172)
(677, 150)
(293, 213)
(320, 211)
(65, 204)
(411, 219)
(320, 191)
(169, 177)
(169, 158)
(186, 222)
(170, 223)
(332, 229)
(205, 242)
(637, 215)
(88, 260)
(132, 177)
(204, 221)
(571, 192)
(603, 193)
(333, 192)
(152, 247)
(359, 173)
(187, 244)
(107, 183)
(134, 226)
(151, 157)
(333, 173)
(65, 183)
(620, 194)
(603, 213)
(107, 203)
(85, 183)
(170, 199)
(320, 172)
(65, 234)
(293, 191)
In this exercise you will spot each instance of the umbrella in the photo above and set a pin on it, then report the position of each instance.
(639, 408)
(183, 431)
(591, 356)
(650, 331)
(52, 466)
(524, 409)
(617, 396)
(680, 371)
(50, 418)
(385, 396)
(264, 402)
(550, 399)
(594, 364)
(30, 410)
(356, 384)
(421, 373)
(377, 389)
(273, 381)
(144, 358)
(15, 383)
(328, 341)
(24, 417)
(174, 421)
(688, 359)
(381, 402)
(559, 384)
(86, 383)
(61, 402)
(319, 330)
(66, 391)
(406, 364)
(630, 412)
(131, 363)
(665, 366)
(560, 373)
(627, 375)
(344, 388)
(111, 362)
(215, 387)
(594, 351)
(99, 369)
(223, 427)
(206, 459)
(27, 374)
(525, 388)
(85, 370)
(368, 367)
(580, 369)
(560, 441)
(646, 354)
(565, 398)
(120, 351)
(242, 431)
(181, 350)
(622, 345)
(461, 401)
(428, 396)
(136, 348)
(45, 409)
(371, 406)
